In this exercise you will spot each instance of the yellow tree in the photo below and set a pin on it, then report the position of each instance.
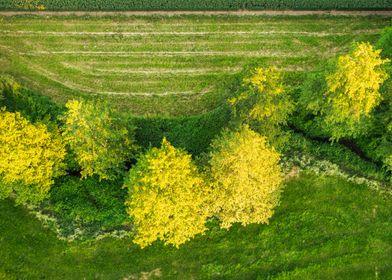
(246, 177)
(101, 142)
(353, 89)
(30, 157)
(166, 197)
(265, 104)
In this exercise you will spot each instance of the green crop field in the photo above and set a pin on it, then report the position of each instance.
(167, 65)
(76, 5)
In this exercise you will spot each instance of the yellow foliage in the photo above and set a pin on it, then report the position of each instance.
(100, 143)
(246, 177)
(266, 79)
(353, 89)
(264, 105)
(29, 155)
(167, 197)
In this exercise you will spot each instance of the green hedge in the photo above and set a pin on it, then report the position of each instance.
(33, 106)
(336, 153)
(90, 205)
(192, 133)
(107, 5)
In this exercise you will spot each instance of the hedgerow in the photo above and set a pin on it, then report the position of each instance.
(192, 133)
(197, 5)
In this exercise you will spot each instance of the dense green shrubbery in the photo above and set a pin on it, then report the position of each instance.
(202, 4)
(336, 153)
(89, 204)
(378, 143)
(385, 43)
(33, 106)
(193, 133)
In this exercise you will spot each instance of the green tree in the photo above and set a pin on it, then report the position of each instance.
(264, 104)
(246, 177)
(166, 197)
(30, 157)
(101, 142)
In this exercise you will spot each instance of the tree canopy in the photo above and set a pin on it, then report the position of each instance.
(166, 197)
(264, 104)
(101, 142)
(353, 88)
(30, 157)
(246, 177)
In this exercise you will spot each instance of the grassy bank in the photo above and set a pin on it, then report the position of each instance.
(325, 228)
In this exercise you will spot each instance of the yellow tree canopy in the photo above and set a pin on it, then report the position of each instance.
(30, 157)
(101, 143)
(264, 104)
(246, 177)
(166, 197)
(353, 88)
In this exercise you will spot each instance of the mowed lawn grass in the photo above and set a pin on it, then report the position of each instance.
(325, 228)
(172, 65)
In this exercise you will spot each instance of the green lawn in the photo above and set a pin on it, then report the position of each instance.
(325, 228)
(166, 65)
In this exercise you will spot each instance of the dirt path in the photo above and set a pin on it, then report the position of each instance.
(174, 13)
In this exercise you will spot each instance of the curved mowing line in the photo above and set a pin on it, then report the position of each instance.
(201, 71)
(179, 33)
(165, 53)
(165, 93)
(78, 88)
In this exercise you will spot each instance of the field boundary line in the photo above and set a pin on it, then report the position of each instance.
(208, 13)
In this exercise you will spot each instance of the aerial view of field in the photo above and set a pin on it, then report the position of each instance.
(167, 65)
(195, 139)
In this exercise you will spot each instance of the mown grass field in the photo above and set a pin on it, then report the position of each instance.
(325, 228)
(167, 65)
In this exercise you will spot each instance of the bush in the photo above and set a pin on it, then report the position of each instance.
(192, 133)
(336, 153)
(89, 204)
(385, 43)
(33, 106)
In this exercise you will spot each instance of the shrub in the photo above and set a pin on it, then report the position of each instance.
(31, 105)
(385, 43)
(192, 133)
(89, 205)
